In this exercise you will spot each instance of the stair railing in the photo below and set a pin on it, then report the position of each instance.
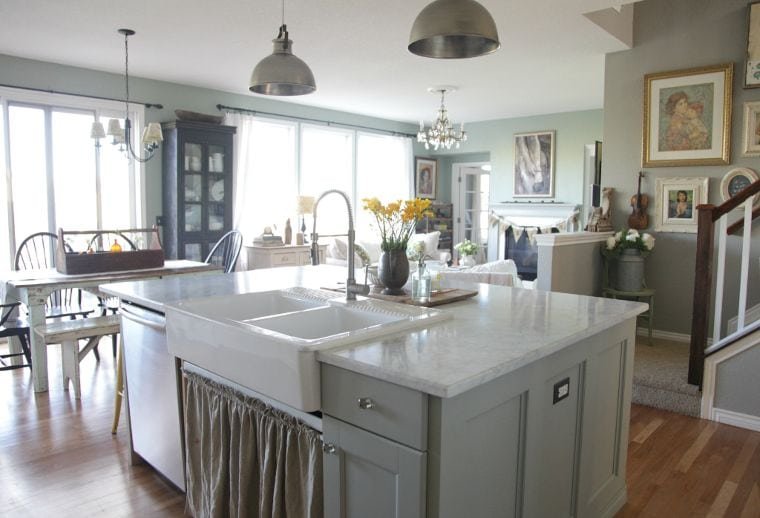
(707, 216)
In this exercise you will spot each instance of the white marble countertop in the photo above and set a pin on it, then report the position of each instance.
(494, 333)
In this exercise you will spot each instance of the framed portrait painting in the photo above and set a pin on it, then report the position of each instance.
(425, 177)
(534, 165)
(676, 203)
(687, 117)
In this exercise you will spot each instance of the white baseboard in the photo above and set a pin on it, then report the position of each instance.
(750, 422)
(665, 335)
(751, 315)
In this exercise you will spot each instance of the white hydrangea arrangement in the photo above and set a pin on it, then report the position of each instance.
(629, 240)
(466, 247)
(415, 251)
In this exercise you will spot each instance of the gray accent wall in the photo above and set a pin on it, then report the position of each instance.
(674, 35)
(737, 383)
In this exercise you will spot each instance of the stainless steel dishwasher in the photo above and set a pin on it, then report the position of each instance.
(152, 389)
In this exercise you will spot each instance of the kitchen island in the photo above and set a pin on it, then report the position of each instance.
(517, 406)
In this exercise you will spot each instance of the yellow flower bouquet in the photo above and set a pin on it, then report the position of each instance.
(397, 220)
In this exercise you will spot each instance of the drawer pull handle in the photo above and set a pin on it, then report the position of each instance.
(365, 403)
(329, 448)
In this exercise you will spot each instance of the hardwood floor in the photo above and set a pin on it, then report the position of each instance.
(57, 454)
(58, 457)
(680, 466)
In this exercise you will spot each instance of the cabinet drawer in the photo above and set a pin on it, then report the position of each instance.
(284, 259)
(392, 411)
(304, 258)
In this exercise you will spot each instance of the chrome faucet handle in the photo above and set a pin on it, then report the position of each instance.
(357, 289)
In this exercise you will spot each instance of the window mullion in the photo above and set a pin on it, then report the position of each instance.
(49, 169)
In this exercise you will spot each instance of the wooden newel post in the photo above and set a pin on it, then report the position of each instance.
(702, 286)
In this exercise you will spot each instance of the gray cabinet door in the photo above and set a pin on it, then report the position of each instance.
(368, 476)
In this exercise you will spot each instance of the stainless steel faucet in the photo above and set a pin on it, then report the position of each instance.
(351, 287)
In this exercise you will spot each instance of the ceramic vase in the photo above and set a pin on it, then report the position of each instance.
(468, 260)
(630, 270)
(393, 271)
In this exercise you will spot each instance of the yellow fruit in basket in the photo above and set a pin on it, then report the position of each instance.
(115, 247)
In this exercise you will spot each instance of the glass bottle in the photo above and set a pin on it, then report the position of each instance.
(421, 284)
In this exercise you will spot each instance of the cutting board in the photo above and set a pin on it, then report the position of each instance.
(437, 297)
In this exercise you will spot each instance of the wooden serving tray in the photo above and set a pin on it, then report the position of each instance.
(76, 263)
(437, 297)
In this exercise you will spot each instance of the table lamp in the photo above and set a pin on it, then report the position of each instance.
(304, 205)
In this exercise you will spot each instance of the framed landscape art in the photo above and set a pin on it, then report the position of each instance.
(676, 203)
(687, 116)
(425, 177)
(534, 165)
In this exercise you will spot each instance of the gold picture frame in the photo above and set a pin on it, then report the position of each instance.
(687, 117)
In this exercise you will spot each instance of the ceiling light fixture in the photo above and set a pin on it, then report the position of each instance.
(441, 133)
(123, 137)
(282, 73)
(451, 29)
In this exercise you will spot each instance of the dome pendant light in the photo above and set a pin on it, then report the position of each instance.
(282, 73)
(453, 29)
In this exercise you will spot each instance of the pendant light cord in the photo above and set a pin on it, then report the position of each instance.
(126, 75)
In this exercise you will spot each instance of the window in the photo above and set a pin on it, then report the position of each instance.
(382, 171)
(56, 176)
(265, 175)
(278, 159)
(327, 163)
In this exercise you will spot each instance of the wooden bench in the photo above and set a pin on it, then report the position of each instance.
(68, 333)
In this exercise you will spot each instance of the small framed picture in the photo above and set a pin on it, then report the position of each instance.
(736, 180)
(687, 117)
(534, 165)
(425, 177)
(676, 203)
(751, 133)
(752, 69)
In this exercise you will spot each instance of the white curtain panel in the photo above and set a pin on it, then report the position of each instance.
(242, 162)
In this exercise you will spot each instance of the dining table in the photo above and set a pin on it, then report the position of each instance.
(33, 287)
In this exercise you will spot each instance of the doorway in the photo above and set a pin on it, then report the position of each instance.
(470, 194)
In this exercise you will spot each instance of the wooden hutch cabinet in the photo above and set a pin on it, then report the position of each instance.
(197, 187)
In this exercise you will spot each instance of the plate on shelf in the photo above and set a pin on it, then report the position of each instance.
(216, 192)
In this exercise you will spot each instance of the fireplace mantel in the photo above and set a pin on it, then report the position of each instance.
(537, 214)
(530, 216)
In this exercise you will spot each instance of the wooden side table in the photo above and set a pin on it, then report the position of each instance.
(276, 256)
(643, 295)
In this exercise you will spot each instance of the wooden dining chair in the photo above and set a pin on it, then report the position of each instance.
(37, 252)
(14, 327)
(226, 251)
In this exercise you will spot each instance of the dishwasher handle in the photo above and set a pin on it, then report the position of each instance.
(146, 318)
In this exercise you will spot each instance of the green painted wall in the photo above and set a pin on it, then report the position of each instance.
(50, 76)
(495, 140)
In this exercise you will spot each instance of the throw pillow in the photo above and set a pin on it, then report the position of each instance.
(430, 239)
